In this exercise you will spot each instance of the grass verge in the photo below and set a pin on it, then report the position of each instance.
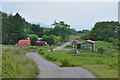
(102, 71)
(15, 64)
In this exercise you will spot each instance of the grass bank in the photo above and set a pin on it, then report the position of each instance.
(103, 66)
(15, 64)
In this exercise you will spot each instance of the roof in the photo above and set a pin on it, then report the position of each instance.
(24, 40)
(79, 42)
(40, 42)
(91, 41)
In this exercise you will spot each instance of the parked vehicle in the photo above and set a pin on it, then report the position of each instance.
(23, 43)
(41, 43)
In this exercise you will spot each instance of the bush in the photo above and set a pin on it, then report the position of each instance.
(58, 44)
(42, 52)
(104, 50)
(49, 39)
(31, 48)
(84, 37)
(69, 46)
(65, 62)
(33, 39)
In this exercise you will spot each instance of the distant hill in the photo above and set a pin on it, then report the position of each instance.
(72, 26)
(42, 24)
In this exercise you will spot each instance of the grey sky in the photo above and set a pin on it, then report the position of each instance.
(80, 15)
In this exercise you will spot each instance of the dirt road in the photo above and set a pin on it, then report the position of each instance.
(51, 70)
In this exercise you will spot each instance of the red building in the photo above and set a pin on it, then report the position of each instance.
(87, 45)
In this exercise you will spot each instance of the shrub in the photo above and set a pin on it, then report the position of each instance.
(65, 62)
(112, 64)
(31, 48)
(104, 50)
(69, 46)
(39, 50)
(33, 39)
(48, 57)
(42, 52)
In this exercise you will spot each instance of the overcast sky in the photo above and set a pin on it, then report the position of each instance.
(80, 15)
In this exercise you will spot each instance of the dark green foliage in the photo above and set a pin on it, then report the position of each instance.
(33, 39)
(31, 48)
(36, 29)
(102, 50)
(85, 36)
(62, 29)
(83, 31)
(15, 28)
(69, 46)
(105, 31)
(51, 39)
(50, 58)
(65, 62)
(40, 51)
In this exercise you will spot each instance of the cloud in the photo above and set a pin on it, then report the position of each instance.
(60, 0)
(76, 13)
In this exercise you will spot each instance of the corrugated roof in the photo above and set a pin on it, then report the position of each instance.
(91, 41)
(79, 42)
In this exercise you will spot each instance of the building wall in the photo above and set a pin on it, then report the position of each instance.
(87, 46)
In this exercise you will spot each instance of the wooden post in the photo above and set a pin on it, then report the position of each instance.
(93, 47)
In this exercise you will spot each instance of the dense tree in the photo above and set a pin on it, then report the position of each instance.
(14, 28)
(106, 31)
(33, 39)
(38, 30)
(18, 28)
(83, 31)
(6, 28)
(61, 29)
(51, 39)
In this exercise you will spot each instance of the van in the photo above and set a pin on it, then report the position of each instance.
(23, 43)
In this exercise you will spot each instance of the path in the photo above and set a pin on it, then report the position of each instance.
(62, 47)
(51, 70)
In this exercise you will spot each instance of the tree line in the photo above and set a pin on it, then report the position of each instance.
(15, 27)
(105, 31)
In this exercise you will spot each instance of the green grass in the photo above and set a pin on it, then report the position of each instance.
(102, 71)
(86, 60)
(15, 64)
(104, 44)
(103, 66)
